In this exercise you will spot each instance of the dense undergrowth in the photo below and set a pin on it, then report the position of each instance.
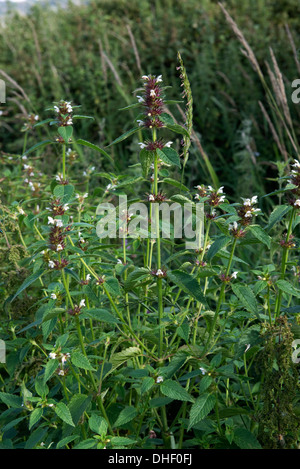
(138, 341)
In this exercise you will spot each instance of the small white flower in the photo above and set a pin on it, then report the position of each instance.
(254, 200)
(197, 197)
(297, 203)
(234, 274)
(59, 247)
(66, 207)
(247, 347)
(203, 370)
(21, 211)
(168, 144)
(140, 99)
(50, 221)
(53, 296)
(233, 226)
(248, 214)
(142, 145)
(208, 246)
(88, 277)
(145, 77)
(210, 188)
(159, 272)
(65, 357)
(59, 223)
(140, 123)
(51, 264)
(152, 93)
(24, 157)
(56, 109)
(222, 198)
(36, 118)
(159, 379)
(61, 373)
(82, 304)
(151, 197)
(159, 79)
(119, 261)
(296, 164)
(52, 355)
(220, 191)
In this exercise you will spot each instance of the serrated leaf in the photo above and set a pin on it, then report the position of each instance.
(121, 441)
(173, 390)
(80, 141)
(65, 441)
(11, 400)
(201, 408)
(246, 296)
(35, 416)
(216, 246)
(81, 361)
(178, 129)
(245, 439)
(65, 132)
(287, 287)
(146, 158)
(188, 284)
(32, 278)
(63, 192)
(86, 444)
(277, 214)
(50, 369)
(124, 136)
(118, 358)
(125, 416)
(169, 156)
(147, 384)
(98, 424)
(261, 235)
(38, 145)
(64, 413)
(98, 314)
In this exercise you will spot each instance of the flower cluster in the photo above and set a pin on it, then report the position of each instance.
(77, 308)
(160, 273)
(215, 197)
(58, 265)
(288, 243)
(236, 230)
(57, 234)
(152, 101)
(60, 179)
(227, 278)
(160, 197)
(157, 145)
(247, 211)
(57, 208)
(295, 180)
(31, 119)
(64, 112)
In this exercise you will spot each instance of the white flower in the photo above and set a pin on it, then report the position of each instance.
(297, 203)
(88, 277)
(52, 355)
(220, 191)
(222, 198)
(142, 145)
(168, 144)
(152, 93)
(159, 273)
(197, 197)
(296, 164)
(159, 379)
(159, 79)
(59, 247)
(141, 123)
(233, 226)
(59, 223)
(234, 274)
(119, 261)
(61, 373)
(36, 118)
(203, 370)
(151, 197)
(140, 99)
(247, 347)
(24, 157)
(51, 264)
(145, 77)
(21, 211)
(53, 296)
(66, 207)
(56, 108)
(65, 357)
(248, 214)
(82, 304)
(210, 188)
(59, 177)
(254, 200)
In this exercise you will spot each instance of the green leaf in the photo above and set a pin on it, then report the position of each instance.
(246, 296)
(175, 183)
(277, 214)
(66, 132)
(64, 413)
(125, 416)
(11, 400)
(136, 275)
(38, 145)
(50, 369)
(95, 147)
(201, 408)
(118, 358)
(173, 390)
(287, 287)
(146, 158)
(35, 416)
(78, 405)
(124, 136)
(90, 443)
(188, 284)
(261, 235)
(147, 384)
(65, 441)
(81, 361)
(64, 192)
(112, 286)
(98, 314)
(32, 278)
(169, 156)
(178, 129)
(216, 246)
(245, 439)
(98, 424)
(36, 437)
(121, 441)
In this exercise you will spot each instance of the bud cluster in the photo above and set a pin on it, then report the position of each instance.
(152, 102)
(64, 113)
